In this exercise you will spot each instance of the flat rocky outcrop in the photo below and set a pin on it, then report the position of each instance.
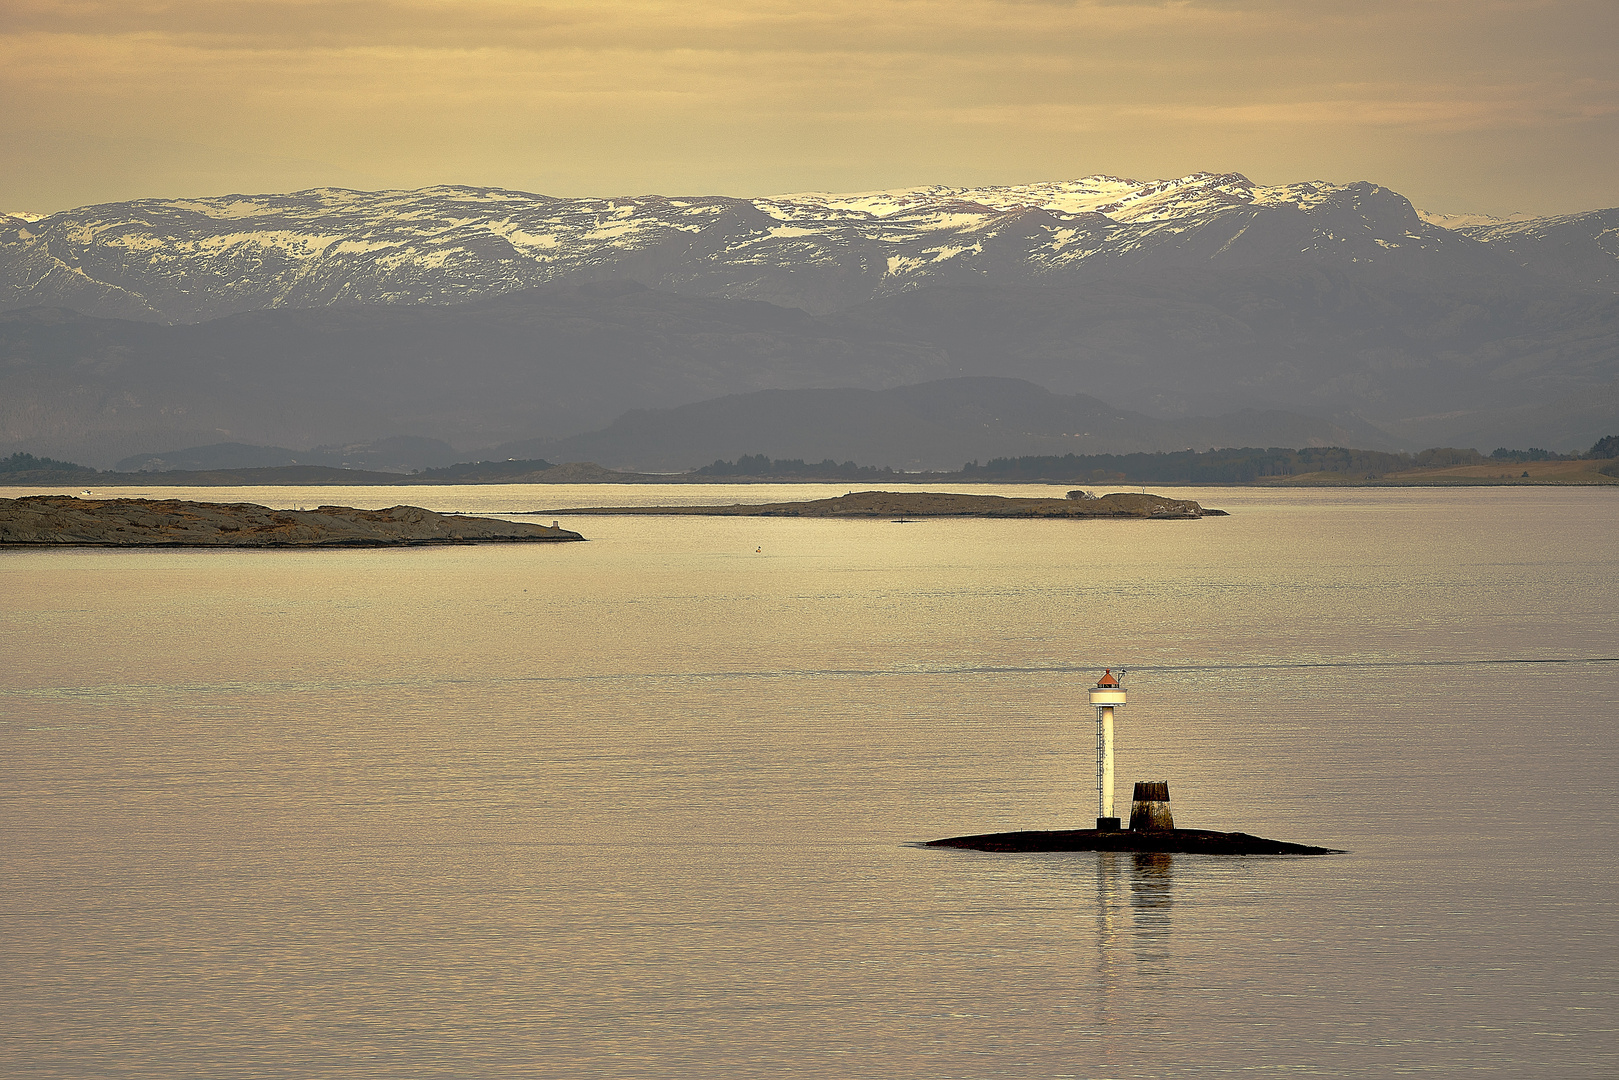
(1190, 841)
(920, 504)
(64, 521)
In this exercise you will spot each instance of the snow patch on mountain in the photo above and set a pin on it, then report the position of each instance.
(1581, 249)
(1085, 195)
(1465, 221)
(193, 259)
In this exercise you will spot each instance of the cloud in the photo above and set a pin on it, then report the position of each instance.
(772, 95)
(1422, 109)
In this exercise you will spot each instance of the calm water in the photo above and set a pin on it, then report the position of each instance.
(644, 807)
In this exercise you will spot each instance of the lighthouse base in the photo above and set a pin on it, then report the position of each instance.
(1189, 841)
(1108, 824)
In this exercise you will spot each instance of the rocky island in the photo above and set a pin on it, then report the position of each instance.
(921, 504)
(64, 521)
(1189, 841)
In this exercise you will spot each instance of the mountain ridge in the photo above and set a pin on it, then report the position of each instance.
(189, 260)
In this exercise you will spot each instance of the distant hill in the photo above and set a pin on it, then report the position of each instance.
(555, 361)
(1344, 342)
(401, 453)
(929, 426)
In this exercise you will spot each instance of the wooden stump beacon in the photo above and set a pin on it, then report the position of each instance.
(1152, 825)
(1149, 808)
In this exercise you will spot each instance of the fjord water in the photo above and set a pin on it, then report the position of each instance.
(647, 806)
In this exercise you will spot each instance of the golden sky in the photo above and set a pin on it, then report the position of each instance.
(1464, 105)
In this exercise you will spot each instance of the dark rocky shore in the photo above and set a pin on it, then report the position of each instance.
(63, 521)
(1190, 841)
(920, 504)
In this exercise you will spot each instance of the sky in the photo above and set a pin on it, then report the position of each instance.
(1464, 106)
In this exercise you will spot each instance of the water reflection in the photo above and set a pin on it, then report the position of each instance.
(1134, 901)
(1152, 879)
(1134, 898)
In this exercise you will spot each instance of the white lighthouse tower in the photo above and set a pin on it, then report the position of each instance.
(1106, 695)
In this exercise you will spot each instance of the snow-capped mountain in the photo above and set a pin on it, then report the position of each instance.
(480, 316)
(189, 260)
(1579, 249)
(1457, 222)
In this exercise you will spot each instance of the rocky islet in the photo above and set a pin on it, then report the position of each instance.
(66, 521)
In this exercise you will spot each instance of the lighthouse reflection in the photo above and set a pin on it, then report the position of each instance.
(1134, 898)
(1134, 903)
(1152, 880)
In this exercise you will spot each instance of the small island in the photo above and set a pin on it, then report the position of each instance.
(926, 504)
(1179, 841)
(1152, 822)
(64, 521)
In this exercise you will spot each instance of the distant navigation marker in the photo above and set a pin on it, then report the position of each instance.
(1106, 695)
(1152, 826)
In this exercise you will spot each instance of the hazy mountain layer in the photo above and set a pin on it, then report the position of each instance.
(934, 426)
(545, 362)
(1351, 346)
(1334, 341)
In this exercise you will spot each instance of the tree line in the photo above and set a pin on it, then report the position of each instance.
(1246, 464)
(763, 465)
(19, 464)
(1228, 466)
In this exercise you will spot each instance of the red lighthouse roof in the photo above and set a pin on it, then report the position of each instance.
(1107, 679)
